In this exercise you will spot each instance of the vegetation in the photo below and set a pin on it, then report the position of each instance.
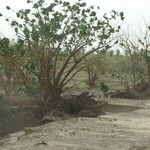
(52, 40)
(55, 42)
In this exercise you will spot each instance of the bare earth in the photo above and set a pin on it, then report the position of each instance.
(123, 128)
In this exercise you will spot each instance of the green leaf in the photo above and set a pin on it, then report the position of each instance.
(116, 42)
(88, 10)
(28, 11)
(20, 26)
(33, 20)
(13, 23)
(93, 13)
(92, 7)
(16, 30)
(82, 4)
(122, 15)
(66, 3)
(35, 5)
(32, 66)
(29, 1)
(7, 7)
(18, 15)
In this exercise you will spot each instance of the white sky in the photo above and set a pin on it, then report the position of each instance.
(136, 11)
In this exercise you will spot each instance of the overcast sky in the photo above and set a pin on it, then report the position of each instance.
(136, 11)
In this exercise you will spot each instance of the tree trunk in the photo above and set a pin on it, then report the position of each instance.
(55, 94)
(49, 94)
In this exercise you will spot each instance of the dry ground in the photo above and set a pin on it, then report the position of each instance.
(126, 129)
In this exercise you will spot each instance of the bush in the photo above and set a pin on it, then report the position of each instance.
(103, 87)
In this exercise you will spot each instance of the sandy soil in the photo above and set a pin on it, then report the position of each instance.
(127, 128)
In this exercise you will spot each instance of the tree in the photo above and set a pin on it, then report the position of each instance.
(144, 42)
(5, 64)
(52, 41)
(111, 53)
(118, 52)
(91, 70)
(131, 47)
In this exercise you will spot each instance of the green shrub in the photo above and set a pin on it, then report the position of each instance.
(103, 87)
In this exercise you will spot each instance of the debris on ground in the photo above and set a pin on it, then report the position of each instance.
(142, 90)
(121, 94)
(83, 105)
(142, 87)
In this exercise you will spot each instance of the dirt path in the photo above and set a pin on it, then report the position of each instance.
(117, 131)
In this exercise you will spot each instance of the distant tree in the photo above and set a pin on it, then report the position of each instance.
(131, 47)
(111, 53)
(5, 64)
(145, 49)
(91, 70)
(117, 52)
